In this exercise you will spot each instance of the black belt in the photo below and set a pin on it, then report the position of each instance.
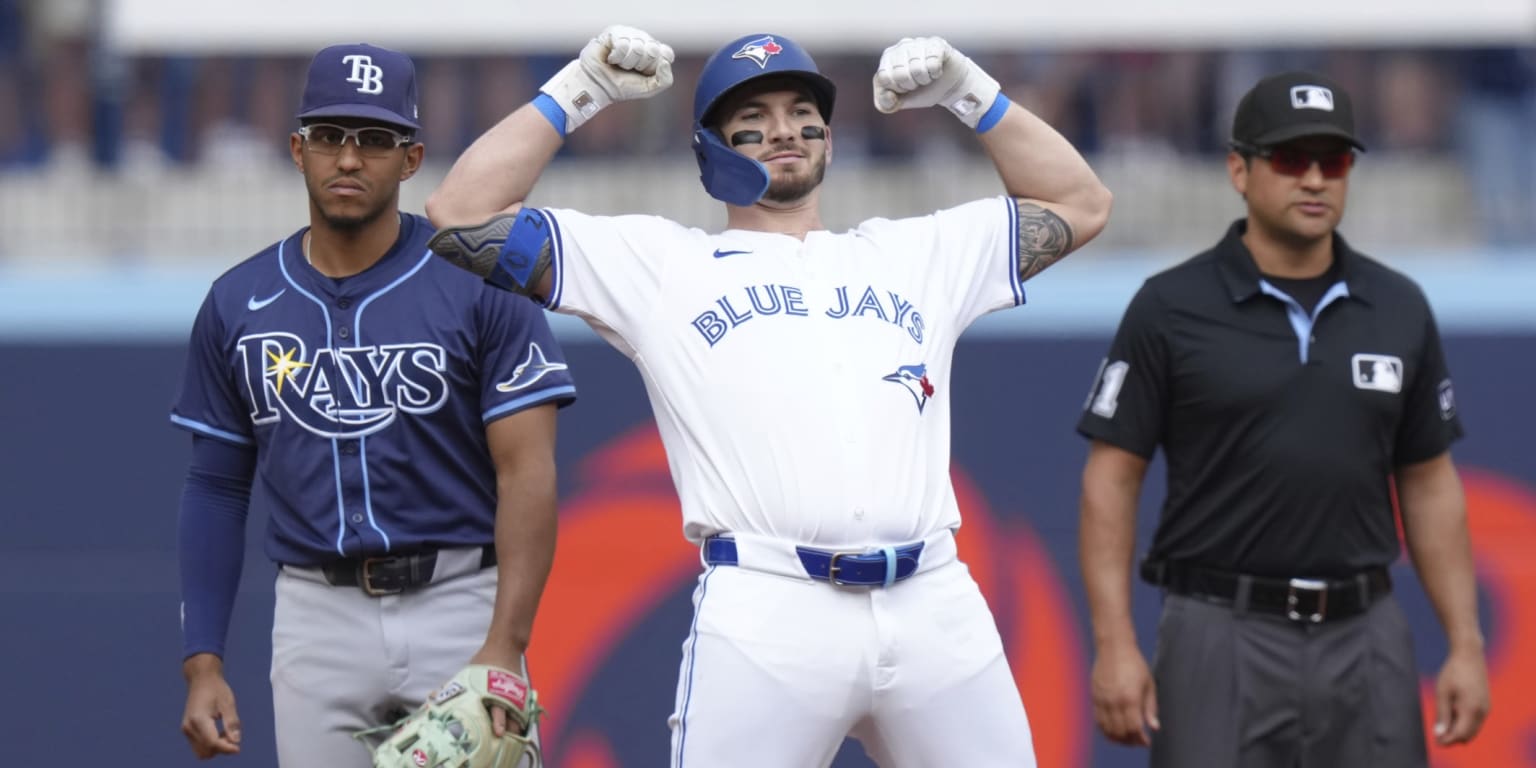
(859, 569)
(391, 574)
(1304, 600)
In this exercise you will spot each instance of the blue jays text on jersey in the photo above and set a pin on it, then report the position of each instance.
(366, 397)
(752, 301)
(801, 385)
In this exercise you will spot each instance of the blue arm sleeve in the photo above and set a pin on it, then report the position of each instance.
(211, 547)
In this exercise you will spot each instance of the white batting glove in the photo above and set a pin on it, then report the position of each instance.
(924, 71)
(620, 64)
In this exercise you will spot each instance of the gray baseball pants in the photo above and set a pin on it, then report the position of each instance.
(344, 661)
(1250, 690)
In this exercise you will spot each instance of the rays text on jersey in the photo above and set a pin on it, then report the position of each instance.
(349, 392)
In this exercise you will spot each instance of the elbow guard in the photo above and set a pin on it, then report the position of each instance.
(510, 251)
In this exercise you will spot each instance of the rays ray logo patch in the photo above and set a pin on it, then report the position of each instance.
(533, 368)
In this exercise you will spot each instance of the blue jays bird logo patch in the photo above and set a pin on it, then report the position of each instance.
(759, 50)
(915, 379)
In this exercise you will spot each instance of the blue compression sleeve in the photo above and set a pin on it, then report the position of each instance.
(211, 546)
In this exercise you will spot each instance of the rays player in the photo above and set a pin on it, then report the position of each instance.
(800, 379)
(392, 416)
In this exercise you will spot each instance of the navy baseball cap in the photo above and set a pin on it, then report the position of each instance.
(361, 80)
(1291, 105)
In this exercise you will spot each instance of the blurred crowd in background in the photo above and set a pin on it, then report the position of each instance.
(68, 103)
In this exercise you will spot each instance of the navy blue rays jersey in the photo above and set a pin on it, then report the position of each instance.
(366, 397)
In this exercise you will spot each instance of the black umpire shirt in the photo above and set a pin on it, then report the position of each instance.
(1281, 427)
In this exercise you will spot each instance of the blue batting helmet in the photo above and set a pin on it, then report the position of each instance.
(728, 175)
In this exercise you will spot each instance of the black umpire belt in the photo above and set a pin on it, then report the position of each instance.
(1309, 601)
(393, 574)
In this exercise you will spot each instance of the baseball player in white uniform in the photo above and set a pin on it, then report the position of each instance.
(800, 379)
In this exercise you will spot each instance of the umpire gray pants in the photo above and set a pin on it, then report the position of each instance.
(1258, 691)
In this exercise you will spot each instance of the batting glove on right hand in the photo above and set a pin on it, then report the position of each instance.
(928, 71)
(620, 64)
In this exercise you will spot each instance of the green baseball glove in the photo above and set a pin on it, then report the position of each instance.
(453, 728)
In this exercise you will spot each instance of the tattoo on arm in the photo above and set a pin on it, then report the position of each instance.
(1044, 238)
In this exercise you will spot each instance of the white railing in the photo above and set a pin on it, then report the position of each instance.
(1164, 204)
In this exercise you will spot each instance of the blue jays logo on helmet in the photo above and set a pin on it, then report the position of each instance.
(729, 68)
(728, 175)
(915, 379)
(759, 50)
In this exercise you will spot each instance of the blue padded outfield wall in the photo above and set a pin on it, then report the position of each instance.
(91, 472)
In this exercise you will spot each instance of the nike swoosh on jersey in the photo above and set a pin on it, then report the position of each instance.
(255, 304)
(719, 254)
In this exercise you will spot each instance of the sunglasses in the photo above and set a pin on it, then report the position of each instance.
(1289, 161)
(373, 141)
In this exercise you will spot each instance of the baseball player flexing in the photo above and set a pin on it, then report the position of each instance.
(800, 379)
(392, 416)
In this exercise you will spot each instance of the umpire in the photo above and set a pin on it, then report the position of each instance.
(1291, 382)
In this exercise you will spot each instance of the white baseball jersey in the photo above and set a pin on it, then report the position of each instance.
(801, 388)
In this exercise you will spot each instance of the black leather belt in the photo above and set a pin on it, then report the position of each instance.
(1303, 600)
(391, 574)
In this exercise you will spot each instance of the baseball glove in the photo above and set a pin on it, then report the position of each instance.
(453, 728)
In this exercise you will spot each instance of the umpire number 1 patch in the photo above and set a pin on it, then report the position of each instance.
(1104, 398)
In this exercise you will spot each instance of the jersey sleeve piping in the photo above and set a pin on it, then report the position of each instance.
(1013, 252)
(556, 260)
(210, 431)
(565, 393)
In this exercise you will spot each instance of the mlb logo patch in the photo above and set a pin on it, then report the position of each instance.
(1311, 97)
(1381, 373)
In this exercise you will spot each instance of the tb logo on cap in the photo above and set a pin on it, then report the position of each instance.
(369, 78)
